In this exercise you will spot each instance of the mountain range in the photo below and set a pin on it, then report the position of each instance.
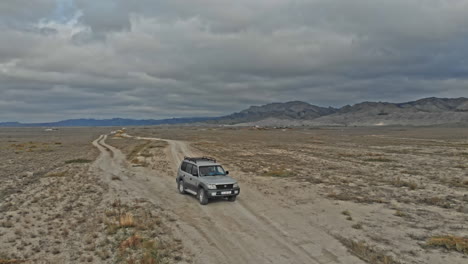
(427, 111)
(108, 122)
(423, 112)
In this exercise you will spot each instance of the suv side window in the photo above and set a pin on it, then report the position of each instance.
(188, 169)
(194, 170)
(184, 166)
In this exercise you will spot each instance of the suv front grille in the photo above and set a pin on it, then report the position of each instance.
(224, 186)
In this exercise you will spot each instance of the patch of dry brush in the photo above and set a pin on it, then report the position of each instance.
(140, 235)
(459, 244)
(367, 252)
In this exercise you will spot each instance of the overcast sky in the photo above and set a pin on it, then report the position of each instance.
(63, 59)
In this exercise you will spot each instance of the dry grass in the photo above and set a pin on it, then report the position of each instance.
(380, 159)
(399, 213)
(11, 261)
(33, 147)
(112, 228)
(139, 163)
(126, 220)
(138, 149)
(56, 174)
(150, 252)
(367, 252)
(459, 244)
(131, 242)
(436, 201)
(398, 182)
(280, 173)
(140, 242)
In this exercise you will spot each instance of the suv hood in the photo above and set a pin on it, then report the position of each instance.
(218, 180)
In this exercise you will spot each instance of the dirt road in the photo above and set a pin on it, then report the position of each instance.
(254, 229)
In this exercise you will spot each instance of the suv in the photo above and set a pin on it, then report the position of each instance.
(206, 179)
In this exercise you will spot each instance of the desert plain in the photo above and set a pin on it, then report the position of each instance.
(308, 195)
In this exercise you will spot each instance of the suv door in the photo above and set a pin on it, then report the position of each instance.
(189, 178)
(182, 169)
(195, 174)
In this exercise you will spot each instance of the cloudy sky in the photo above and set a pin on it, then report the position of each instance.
(64, 59)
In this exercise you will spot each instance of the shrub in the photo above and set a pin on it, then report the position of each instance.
(367, 252)
(279, 173)
(115, 178)
(77, 161)
(7, 224)
(346, 212)
(131, 242)
(399, 213)
(357, 226)
(459, 244)
(401, 183)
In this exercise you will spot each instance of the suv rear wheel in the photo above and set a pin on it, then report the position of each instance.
(180, 187)
(202, 196)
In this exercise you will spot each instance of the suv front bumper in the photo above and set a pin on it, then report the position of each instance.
(223, 193)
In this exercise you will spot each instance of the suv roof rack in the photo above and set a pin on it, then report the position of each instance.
(204, 158)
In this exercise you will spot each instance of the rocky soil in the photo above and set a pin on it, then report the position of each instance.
(55, 207)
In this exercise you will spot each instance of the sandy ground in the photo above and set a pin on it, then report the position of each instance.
(383, 192)
(354, 195)
(253, 229)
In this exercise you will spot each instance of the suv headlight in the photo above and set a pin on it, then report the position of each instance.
(236, 185)
(211, 186)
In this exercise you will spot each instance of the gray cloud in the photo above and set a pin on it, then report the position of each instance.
(156, 59)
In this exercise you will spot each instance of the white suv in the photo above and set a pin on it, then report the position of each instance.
(205, 178)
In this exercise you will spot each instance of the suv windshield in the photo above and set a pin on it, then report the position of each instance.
(212, 170)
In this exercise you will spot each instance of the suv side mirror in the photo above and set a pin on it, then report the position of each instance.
(227, 172)
(195, 174)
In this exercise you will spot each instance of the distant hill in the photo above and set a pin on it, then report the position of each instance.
(295, 110)
(108, 122)
(427, 111)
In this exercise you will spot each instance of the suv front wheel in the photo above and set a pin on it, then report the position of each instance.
(202, 196)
